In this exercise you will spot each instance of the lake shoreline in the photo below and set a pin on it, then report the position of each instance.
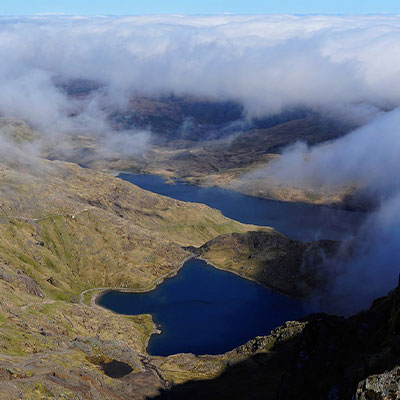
(267, 287)
(102, 291)
(173, 180)
(94, 299)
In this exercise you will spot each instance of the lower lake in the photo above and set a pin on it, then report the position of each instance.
(204, 310)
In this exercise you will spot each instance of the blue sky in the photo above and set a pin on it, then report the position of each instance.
(123, 7)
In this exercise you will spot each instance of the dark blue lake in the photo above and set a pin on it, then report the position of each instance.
(207, 311)
(203, 310)
(296, 220)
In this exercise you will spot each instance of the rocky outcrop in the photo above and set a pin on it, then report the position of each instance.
(23, 281)
(288, 266)
(384, 386)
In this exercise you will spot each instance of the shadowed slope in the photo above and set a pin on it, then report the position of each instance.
(320, 357)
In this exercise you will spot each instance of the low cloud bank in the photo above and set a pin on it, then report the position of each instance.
(369, 158)
(265, 62)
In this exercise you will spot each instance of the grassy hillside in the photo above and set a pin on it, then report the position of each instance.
(82, 228)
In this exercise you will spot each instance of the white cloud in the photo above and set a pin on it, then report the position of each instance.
(368, 157)
(267, 62)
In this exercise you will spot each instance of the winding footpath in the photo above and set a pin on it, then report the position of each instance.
(73, 216)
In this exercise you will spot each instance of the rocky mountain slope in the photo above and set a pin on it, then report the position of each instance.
(76, 225)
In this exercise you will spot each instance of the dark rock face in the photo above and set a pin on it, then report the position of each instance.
(385, 386)
(51, 280)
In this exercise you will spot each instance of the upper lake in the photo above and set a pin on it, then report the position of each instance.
(295, 220)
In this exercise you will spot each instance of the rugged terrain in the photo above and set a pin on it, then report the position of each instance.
(65, 230)
(97, 226)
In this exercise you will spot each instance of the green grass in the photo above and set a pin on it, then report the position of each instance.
(144, 324)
